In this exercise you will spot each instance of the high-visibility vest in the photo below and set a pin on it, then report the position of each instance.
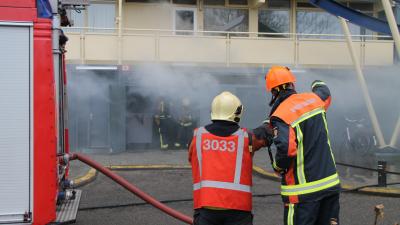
(294, 111)
(222, 170)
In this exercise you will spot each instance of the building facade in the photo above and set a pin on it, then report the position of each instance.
(124, 56)
(221, 32)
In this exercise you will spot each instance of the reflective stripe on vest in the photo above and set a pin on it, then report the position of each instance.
(303, 187)
(301, 177)
(238, 168)
(307, 115)
(327, 133)
(300, 148)
(224, 185)
(310, 187)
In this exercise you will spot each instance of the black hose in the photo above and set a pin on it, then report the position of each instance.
(164, 201)
(357, 189)
(366, 168)
(367, 186)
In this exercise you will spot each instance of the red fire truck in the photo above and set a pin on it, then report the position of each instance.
(34, 188)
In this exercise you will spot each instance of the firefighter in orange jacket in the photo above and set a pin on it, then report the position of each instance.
(221, 158)
(310, 183)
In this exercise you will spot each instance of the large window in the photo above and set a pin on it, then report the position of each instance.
(226, 2)
(274, 18)
(278, 4)
(184, 2)
(273, 21)
(185, 19)
(214, 2)
(238, 2)
(149, 1)
(77, 18)
(99, 15)
(226, 19)
(317, 22)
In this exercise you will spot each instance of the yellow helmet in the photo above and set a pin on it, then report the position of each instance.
(226, 106)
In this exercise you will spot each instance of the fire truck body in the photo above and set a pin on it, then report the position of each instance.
(32, 131)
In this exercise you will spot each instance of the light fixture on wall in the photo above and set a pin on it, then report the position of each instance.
(96, 68)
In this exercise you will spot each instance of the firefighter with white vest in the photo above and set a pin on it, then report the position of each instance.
(221, 158)
(310, 182)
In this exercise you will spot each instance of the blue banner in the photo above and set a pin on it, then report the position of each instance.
(44, 9)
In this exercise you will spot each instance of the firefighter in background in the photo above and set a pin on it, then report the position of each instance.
(163, 121)
(221, 158)
(310, 183)
(185, 125)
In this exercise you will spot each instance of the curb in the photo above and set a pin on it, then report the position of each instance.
(92, 173)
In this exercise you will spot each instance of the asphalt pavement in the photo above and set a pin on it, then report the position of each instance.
(104, 202)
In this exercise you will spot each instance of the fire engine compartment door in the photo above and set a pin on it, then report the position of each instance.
(15, 122)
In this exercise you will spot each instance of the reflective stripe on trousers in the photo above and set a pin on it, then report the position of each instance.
(238, 168)
(290, 215)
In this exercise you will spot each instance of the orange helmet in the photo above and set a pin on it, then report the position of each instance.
(278, 75)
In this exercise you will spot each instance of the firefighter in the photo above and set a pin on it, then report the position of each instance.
(221, 158)
(186, 125)
(304, 158)
(163, 122)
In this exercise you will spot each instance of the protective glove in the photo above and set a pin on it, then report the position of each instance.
(317, 83)
(277, 169)
(265, 133)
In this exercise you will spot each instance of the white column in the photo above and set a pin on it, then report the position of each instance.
(363, 84)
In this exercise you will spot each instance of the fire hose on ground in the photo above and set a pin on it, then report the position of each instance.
(132, 188)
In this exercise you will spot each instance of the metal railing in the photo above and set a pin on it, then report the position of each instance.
(125, 46)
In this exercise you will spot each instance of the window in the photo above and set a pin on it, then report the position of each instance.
(273, 21)
(98, 16)
(312, 22)
(214, 2)
(363, 7)
(77, 18)
(101, 16)
(397, 13)
(382, 16)
(185, 19)
(149, 1)
(317, 22)
(237, 2)
(226, 19)
(185, 2)
(279, 3)
(305, 5)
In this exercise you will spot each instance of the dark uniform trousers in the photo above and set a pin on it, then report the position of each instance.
(322, 212)
(205, 216)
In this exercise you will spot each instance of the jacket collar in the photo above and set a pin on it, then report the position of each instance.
(283, 95)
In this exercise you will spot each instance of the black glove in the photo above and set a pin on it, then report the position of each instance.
(317, 83)
(264, 132)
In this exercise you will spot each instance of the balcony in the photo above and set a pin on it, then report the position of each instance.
(127, 46)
